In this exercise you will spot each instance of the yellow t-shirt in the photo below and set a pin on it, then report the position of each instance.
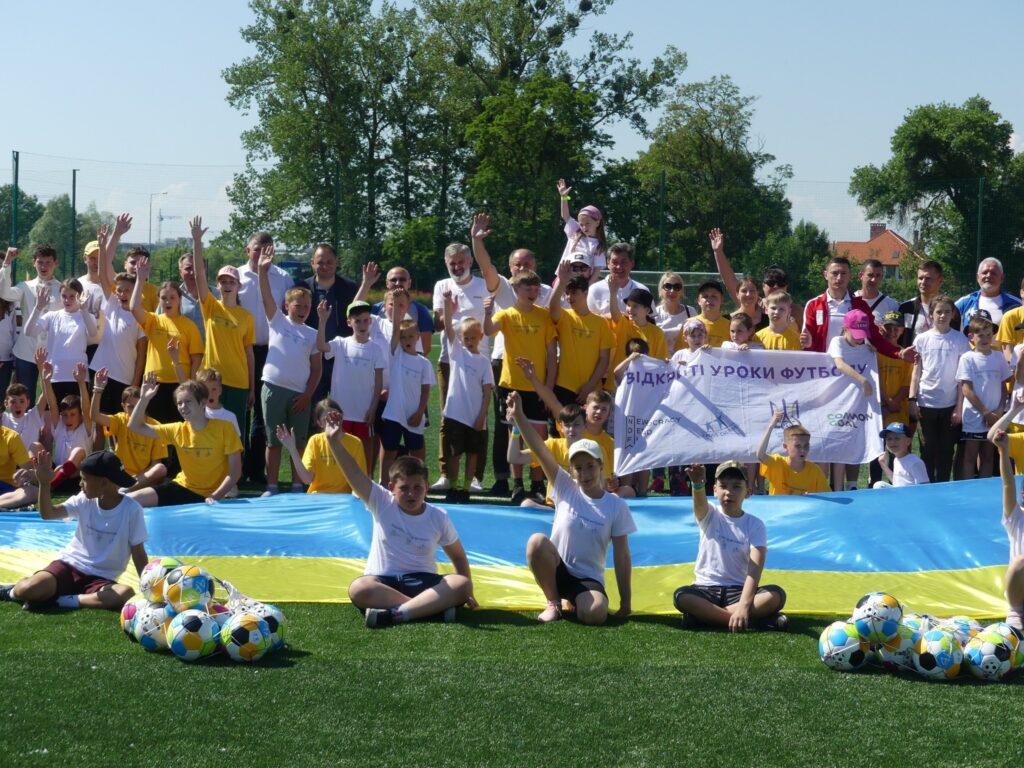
(625, 330)
(783, 481)
(1011, 319)
(1017, 451)
(718, 330)
(580, 343)
(787, 340)
(893, 375)
(327, 475)
(12, 454)
(150, 297)
(229, 330)
(137, 452)
(203, 455)
(527, 334)
(159, 329)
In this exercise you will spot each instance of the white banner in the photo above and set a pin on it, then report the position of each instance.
(718, 405)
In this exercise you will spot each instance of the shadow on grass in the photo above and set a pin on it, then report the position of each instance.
(807, 626)
(285, 658)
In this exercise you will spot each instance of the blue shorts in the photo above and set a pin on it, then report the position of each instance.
(392, 434)
(411, 584)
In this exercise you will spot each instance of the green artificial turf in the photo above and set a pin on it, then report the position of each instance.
(496, 689)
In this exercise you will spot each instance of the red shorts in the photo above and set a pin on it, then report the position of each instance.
(358, 428)
(71, 581)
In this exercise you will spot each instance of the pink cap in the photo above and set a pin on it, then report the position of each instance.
(591, 211)
(229, 271)
(857, 323)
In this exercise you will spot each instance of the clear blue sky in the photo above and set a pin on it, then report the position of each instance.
(138, 87)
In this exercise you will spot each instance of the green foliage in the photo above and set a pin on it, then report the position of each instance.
(413, 245)
(29, 212)
(54, 228)
(803, 253)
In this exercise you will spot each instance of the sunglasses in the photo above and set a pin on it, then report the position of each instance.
(774, 284)
(580, 267)
(672, 286)
(396, 280)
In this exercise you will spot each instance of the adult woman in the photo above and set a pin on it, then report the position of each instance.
(671, 312)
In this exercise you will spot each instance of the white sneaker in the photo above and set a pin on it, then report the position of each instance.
(442, 484)
(1013, 618)
(475, 486)
(269, 492)
(233, 493)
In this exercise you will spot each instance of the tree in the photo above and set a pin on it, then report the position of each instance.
(54, 228)
(945, 160)
(803, 253)
(29, 211)
(714, 176)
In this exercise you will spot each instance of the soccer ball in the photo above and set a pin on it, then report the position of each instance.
(151, 580)
(938, 655)
(274, 617)
(151, 626)
(897, 654)
(963, 628)
(918, 623)
(188, 587)
(129, 613)
(1014, 637)
(877, 617)
(192, 635)
(841, 647)
(246, 637)
(989, 656)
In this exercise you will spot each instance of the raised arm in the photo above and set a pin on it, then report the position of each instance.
(33, 327)
(82, 377)
(99, 418)
(137, 421)
(88, 320)
(198, 259)
(621, 368)
(544, 392)
(121, 226)
(323, 314)
(142, 270)
(700, 496)
(266, 259)
(361, 483)
(450, 305)
(1003, 424)
(563, 196)
(52, 408)
(558, 291)
(108, 249)
(762, 447)
(490, 329)
(1002, 441)
(481, 230)
(371, 274)
(723, 265)
(286, 436)
(533, 440)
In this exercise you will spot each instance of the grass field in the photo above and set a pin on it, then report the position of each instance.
(496, 689)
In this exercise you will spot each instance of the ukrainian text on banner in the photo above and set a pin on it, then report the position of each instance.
(718, 405)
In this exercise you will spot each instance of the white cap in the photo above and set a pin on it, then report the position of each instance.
(590, 447)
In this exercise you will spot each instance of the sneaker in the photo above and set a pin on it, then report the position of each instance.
(5, 593)
(233, 493)
(442, 484)
(690, 622)
(777, 623)
(518, 495)
(45, 605)
(500, 488)
(271, 491)
(475, 486)
(378, 618)
(549, 614)
(538, 498)
(448, 615)
(1014, 618)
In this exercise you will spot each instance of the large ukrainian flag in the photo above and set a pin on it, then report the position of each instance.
(939, 549)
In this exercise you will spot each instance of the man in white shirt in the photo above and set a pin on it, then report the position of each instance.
(44, 259)
(620, 264)
(871, 275)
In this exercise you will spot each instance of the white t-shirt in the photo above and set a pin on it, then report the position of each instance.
(8, 335)
(854, 355)
(103, 540)
(469, 373)
(64, 442)
(1014, 525)
(590, 246)
(725, 543)
(836, 312)
(684, 355)
(884, 305)
(224, 414)
(504, 298)
(291, 346)
(908, 470)
(28, 427)
(118, 349)
(471, 304)
(352, 380)
(92, 299)
(672, 324)
(24, 297)
(1017, 351)
(404, 543)
(940, 355)
(583, 527)
(66, 339)
(994, 306)
(250, 298)
(986, 374)
(751, 343)
(408, 375)
(599, 297)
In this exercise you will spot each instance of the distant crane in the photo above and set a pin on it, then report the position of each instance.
(159, 224)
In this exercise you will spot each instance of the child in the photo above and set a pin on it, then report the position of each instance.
(67, 331)
(211, 379)
(733, 547)
(1013, 522)
(471, 380)
(358, 376)
(585, 340)
(411, 378)
(141, 456)
(570, 563)
(70, 426)
(982, 374)
(27, 422)
(401, 582)
(638, 322)
(935, 398)
(111, 528)
(136, 256)
(894, 376)
(292, 370)
(570, 424)
(907, 468)
(741, 328)
(14, 459)
(695, 336)
(792, 474)
(781, 332)
(850, 351)
(209, 449)
(315, 466)
(709, 298)
(584, 234)
(8, 337)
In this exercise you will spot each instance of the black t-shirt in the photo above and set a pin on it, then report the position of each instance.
(338, 297)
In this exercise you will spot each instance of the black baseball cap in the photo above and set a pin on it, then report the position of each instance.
(106, 464)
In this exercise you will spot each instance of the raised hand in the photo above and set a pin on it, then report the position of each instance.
(174, 349)
(266, 258)
(47, 370)
(40, 356)
(717, 239)
(563, 188)
(488, 304)
(12, 254)
(143, 269)
(513, 405)
(323, 311)
(696, 473)
(102, 235)
(564, 271)
(101, 378)
(285, 436)
(371, 273)
(42, 295)
(526, 365)
(122, 224)
(43, 464)
(196, 228)
(81, 372)
(332, 425)
(150, 385)
(481, 228)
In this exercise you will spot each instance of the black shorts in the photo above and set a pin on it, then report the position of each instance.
(565, 396)
(378, 419)
(110, 397)
(533, 406)
(170, 493)
(570, 587)
(461, 438)
(392, 434)
(725, 596)
(411, 584)
(965, 436)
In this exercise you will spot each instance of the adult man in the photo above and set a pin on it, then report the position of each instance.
(469, 292)
(620, 264)
(989, 295)
(398, 277)
(92, 293)
(521, 259)
(338, 291)
(916, 317)
(871, 275)
(44, 259)
(191, 305)
(250, 297)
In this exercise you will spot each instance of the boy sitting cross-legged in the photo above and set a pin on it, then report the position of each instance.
(401, 582)
(733, 545)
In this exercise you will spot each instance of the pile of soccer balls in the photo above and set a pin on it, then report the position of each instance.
(882, 631)
(179, 611)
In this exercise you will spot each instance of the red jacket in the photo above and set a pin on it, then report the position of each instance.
(819, 331)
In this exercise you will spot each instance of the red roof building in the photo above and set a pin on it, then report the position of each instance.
(884, 244)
